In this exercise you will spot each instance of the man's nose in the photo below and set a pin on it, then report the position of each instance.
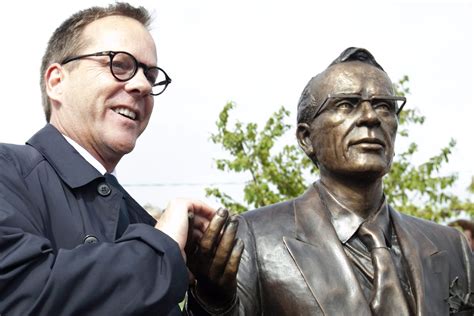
(139, 84)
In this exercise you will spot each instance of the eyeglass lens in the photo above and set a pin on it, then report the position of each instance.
(124, 66)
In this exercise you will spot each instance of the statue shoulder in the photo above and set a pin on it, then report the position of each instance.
(431, 229)
(267, 213)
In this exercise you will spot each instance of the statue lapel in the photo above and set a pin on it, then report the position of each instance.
(319, 255)
(427, 266)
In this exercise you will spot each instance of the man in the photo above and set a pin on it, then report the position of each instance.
(467, 227)
(340, 249)
(72, 240)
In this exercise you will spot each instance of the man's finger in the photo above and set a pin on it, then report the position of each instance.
(197, 235)
(200, 223)
(190, 241)
(201, 209)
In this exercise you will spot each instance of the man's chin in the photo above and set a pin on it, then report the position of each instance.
(123, 147)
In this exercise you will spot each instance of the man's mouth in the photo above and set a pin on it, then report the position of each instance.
(126, 112)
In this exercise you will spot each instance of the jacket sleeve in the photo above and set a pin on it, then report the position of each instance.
(247, 301)
(142, 273)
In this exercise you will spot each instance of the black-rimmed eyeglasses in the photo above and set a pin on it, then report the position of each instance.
(124, 66)
(380, 103)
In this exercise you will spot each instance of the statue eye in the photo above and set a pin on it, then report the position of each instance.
(346, 104)
(384, 106)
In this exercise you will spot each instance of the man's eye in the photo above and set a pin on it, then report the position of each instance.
(151, 79)
(120, 67)
(152, 75)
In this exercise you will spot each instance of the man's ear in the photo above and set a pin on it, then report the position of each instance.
(53, 78)
(303, 133)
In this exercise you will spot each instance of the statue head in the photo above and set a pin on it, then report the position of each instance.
(348, 117)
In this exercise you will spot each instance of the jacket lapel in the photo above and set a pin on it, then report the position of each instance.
(425, 266)
(319, 255)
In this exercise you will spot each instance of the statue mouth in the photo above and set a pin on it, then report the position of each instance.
(368, 142)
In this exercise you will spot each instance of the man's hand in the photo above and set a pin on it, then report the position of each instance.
(216, 261)
(185, 221)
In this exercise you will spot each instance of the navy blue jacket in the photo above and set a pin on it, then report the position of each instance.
(58, 251)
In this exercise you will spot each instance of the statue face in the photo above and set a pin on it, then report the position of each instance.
(351, 139)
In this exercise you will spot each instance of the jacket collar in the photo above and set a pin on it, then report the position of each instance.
(346, 223)
(71, 167)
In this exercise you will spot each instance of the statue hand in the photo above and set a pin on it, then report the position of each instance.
(215, 262)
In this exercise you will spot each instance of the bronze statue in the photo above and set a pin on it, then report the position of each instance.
(340, 249)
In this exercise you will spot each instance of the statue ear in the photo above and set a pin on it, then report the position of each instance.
(303, 133)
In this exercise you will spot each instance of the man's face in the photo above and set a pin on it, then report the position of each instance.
(353, 141)
(91, 97)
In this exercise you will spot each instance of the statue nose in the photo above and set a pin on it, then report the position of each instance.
(367, 114)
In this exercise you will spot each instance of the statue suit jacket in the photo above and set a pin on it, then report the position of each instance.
(294, 263)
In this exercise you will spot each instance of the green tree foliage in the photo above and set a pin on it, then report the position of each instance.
(279, 174)
(274, 176)
(421, 190)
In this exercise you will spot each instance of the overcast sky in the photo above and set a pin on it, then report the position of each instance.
(259, 54)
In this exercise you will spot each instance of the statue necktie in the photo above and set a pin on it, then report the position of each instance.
(124, 219)
(387, 295)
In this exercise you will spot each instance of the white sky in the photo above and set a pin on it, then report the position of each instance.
(259, 54)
